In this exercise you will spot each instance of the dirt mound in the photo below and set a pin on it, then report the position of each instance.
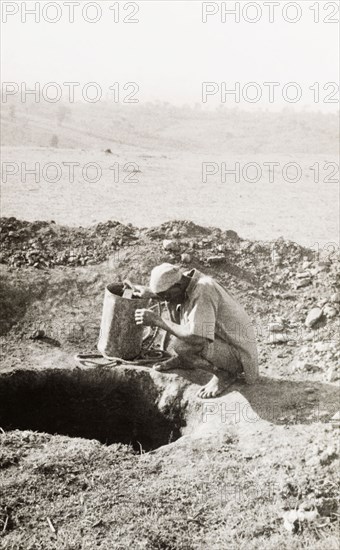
(45, 244)
(279, 282)
(179, 228)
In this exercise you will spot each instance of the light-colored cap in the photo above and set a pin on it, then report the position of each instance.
(164, 276)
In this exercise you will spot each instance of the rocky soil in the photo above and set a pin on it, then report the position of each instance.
(53, 278)
(292, 293)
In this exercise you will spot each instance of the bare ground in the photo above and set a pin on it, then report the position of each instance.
(231, 488)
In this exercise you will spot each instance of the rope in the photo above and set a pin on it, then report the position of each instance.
(146, 357)
(149, 339)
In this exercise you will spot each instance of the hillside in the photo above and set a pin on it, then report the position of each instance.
(163, 127)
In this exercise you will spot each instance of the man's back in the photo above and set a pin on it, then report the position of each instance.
(213, 312)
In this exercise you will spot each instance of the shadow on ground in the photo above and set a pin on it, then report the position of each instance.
(276, 401)
(13, 304)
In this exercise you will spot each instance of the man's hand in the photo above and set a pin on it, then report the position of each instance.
(147, 318)
(140, 291)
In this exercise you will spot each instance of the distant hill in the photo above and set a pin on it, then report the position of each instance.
(164, 127)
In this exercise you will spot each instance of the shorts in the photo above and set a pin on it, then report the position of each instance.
(222, 356)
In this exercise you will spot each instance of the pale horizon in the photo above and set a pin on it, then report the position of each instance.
(170, 52)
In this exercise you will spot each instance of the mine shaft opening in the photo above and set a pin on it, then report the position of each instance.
(101, 404)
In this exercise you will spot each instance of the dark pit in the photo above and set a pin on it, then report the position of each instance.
(110, 405)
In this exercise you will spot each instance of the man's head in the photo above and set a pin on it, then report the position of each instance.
(169, 283)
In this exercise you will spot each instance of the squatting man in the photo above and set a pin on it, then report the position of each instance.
(209, 329)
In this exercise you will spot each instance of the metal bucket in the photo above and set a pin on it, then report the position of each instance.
(119, 335)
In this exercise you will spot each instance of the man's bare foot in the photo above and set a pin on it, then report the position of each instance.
(215, 387)
(169, 364)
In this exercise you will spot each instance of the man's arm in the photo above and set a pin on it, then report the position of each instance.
(183, 332)
(141, 291)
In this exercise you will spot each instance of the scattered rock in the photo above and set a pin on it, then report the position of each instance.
(322, 347)
(324, 263)
(307, 505)
(303, 275)
(335, 298)
(296, 365)
(335, 420)
(215, 259)
(293, 519)
(276, 326)
(278, 338)
(308, 338)
(328, 456)
(46, 244)
(171, 245)
(327, 506)
(332, 374)
(37, 334)
(329, 311)
(185, 258)
(310, 367)
(232, 235)
(288, 296)
(313, 317)
(300, 283)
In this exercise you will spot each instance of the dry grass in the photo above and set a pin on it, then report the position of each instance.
(71, 494)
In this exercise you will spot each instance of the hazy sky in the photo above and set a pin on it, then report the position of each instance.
(170, 51)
